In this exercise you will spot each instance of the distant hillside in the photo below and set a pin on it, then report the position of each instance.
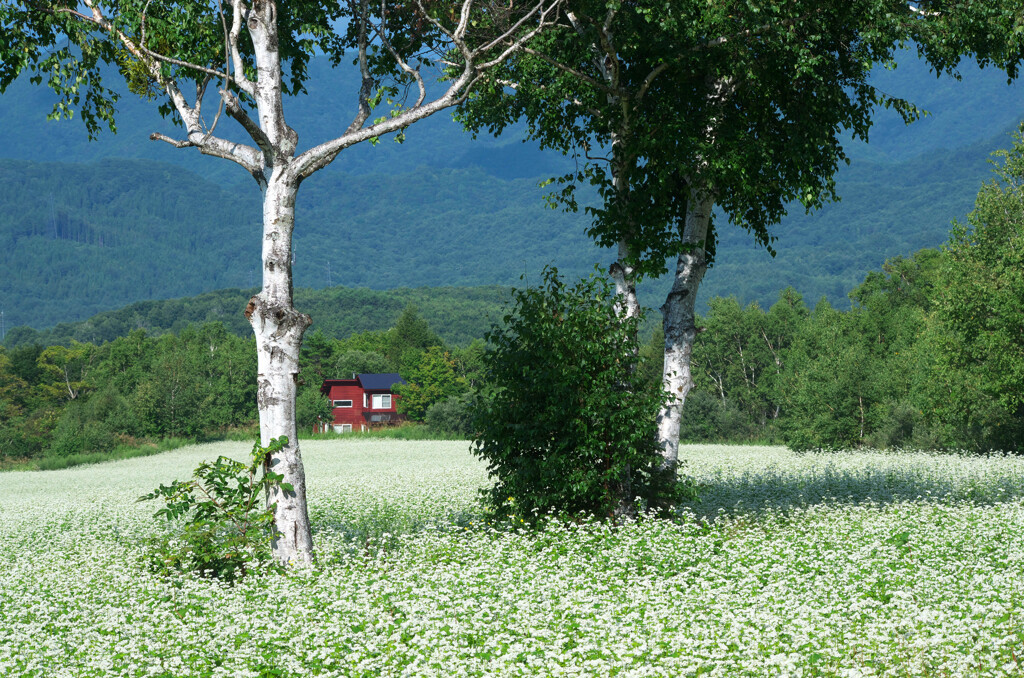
(457, 314)
(83, 230)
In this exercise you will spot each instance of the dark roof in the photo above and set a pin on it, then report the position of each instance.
(380, 382)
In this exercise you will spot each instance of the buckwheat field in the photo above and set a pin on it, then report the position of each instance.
(853, 564)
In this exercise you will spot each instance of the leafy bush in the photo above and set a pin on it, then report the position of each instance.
(453, 416)
(223, 534)
(77, 433)
(565, 422)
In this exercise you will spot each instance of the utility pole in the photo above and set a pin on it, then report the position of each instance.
(328, 273)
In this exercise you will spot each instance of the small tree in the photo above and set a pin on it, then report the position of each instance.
(433, 379)
(565, 422)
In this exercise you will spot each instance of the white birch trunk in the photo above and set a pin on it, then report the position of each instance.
(278, 326)
(679, 322)
(279, 329)
(624, 278)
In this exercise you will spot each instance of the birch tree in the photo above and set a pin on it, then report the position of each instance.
(205, 61)
(676, 111)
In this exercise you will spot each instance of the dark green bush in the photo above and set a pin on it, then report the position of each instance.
(453, 416)
(565, 422)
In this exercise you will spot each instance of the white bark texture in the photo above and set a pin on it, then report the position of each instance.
(679, 322)
(278, 326)
(279, 329)
(624, 278)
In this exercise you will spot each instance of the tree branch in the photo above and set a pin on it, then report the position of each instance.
(367, 85)
(406, 68)
(322, 155)
(241, 81)
(594, 82)
(234, 108)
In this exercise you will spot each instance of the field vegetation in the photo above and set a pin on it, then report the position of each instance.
(817, 564)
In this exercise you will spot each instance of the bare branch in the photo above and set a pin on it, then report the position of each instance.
(599, 57)
(248, 157)
(183, 143)
(227, 69)
(406, 68)
(646, 84)
(234, 108)
(922, 12)
(367, 85)
(458, 89)
(460, 30)
(514, 28)
(241, 81)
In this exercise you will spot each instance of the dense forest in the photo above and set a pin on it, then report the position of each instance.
(82, 233)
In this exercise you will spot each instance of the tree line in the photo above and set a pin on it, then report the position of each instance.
(59, 401)
(460, 314)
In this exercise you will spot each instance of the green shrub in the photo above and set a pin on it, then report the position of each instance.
(565, 422)
(218, 529)
(452, 416)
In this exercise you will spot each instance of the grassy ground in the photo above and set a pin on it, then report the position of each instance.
(860, 564)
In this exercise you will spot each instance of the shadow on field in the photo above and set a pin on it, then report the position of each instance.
(778, 490)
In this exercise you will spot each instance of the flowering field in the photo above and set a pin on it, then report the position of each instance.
(789, 565)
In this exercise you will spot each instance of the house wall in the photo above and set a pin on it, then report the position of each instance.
(359, 416)
(348, 415)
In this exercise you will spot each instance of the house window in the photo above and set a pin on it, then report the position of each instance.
(381, 401)
(343, 428)
(343, 403)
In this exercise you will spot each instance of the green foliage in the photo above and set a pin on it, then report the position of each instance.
(981, 297)
(434, 378)
(408, 339)
(312, 407)
(453, 416)
(217, 529)
(360, 362)
(126, 392)
(750, 103)
(359, 316)
(565, 423)
(709, 419)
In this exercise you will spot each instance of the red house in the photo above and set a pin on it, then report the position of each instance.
(362, 403)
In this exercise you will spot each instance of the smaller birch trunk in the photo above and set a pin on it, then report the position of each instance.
(624, 279)
(679, 322)
(279, 329)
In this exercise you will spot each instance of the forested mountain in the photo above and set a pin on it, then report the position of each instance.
(84, 230)
(458, 314)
